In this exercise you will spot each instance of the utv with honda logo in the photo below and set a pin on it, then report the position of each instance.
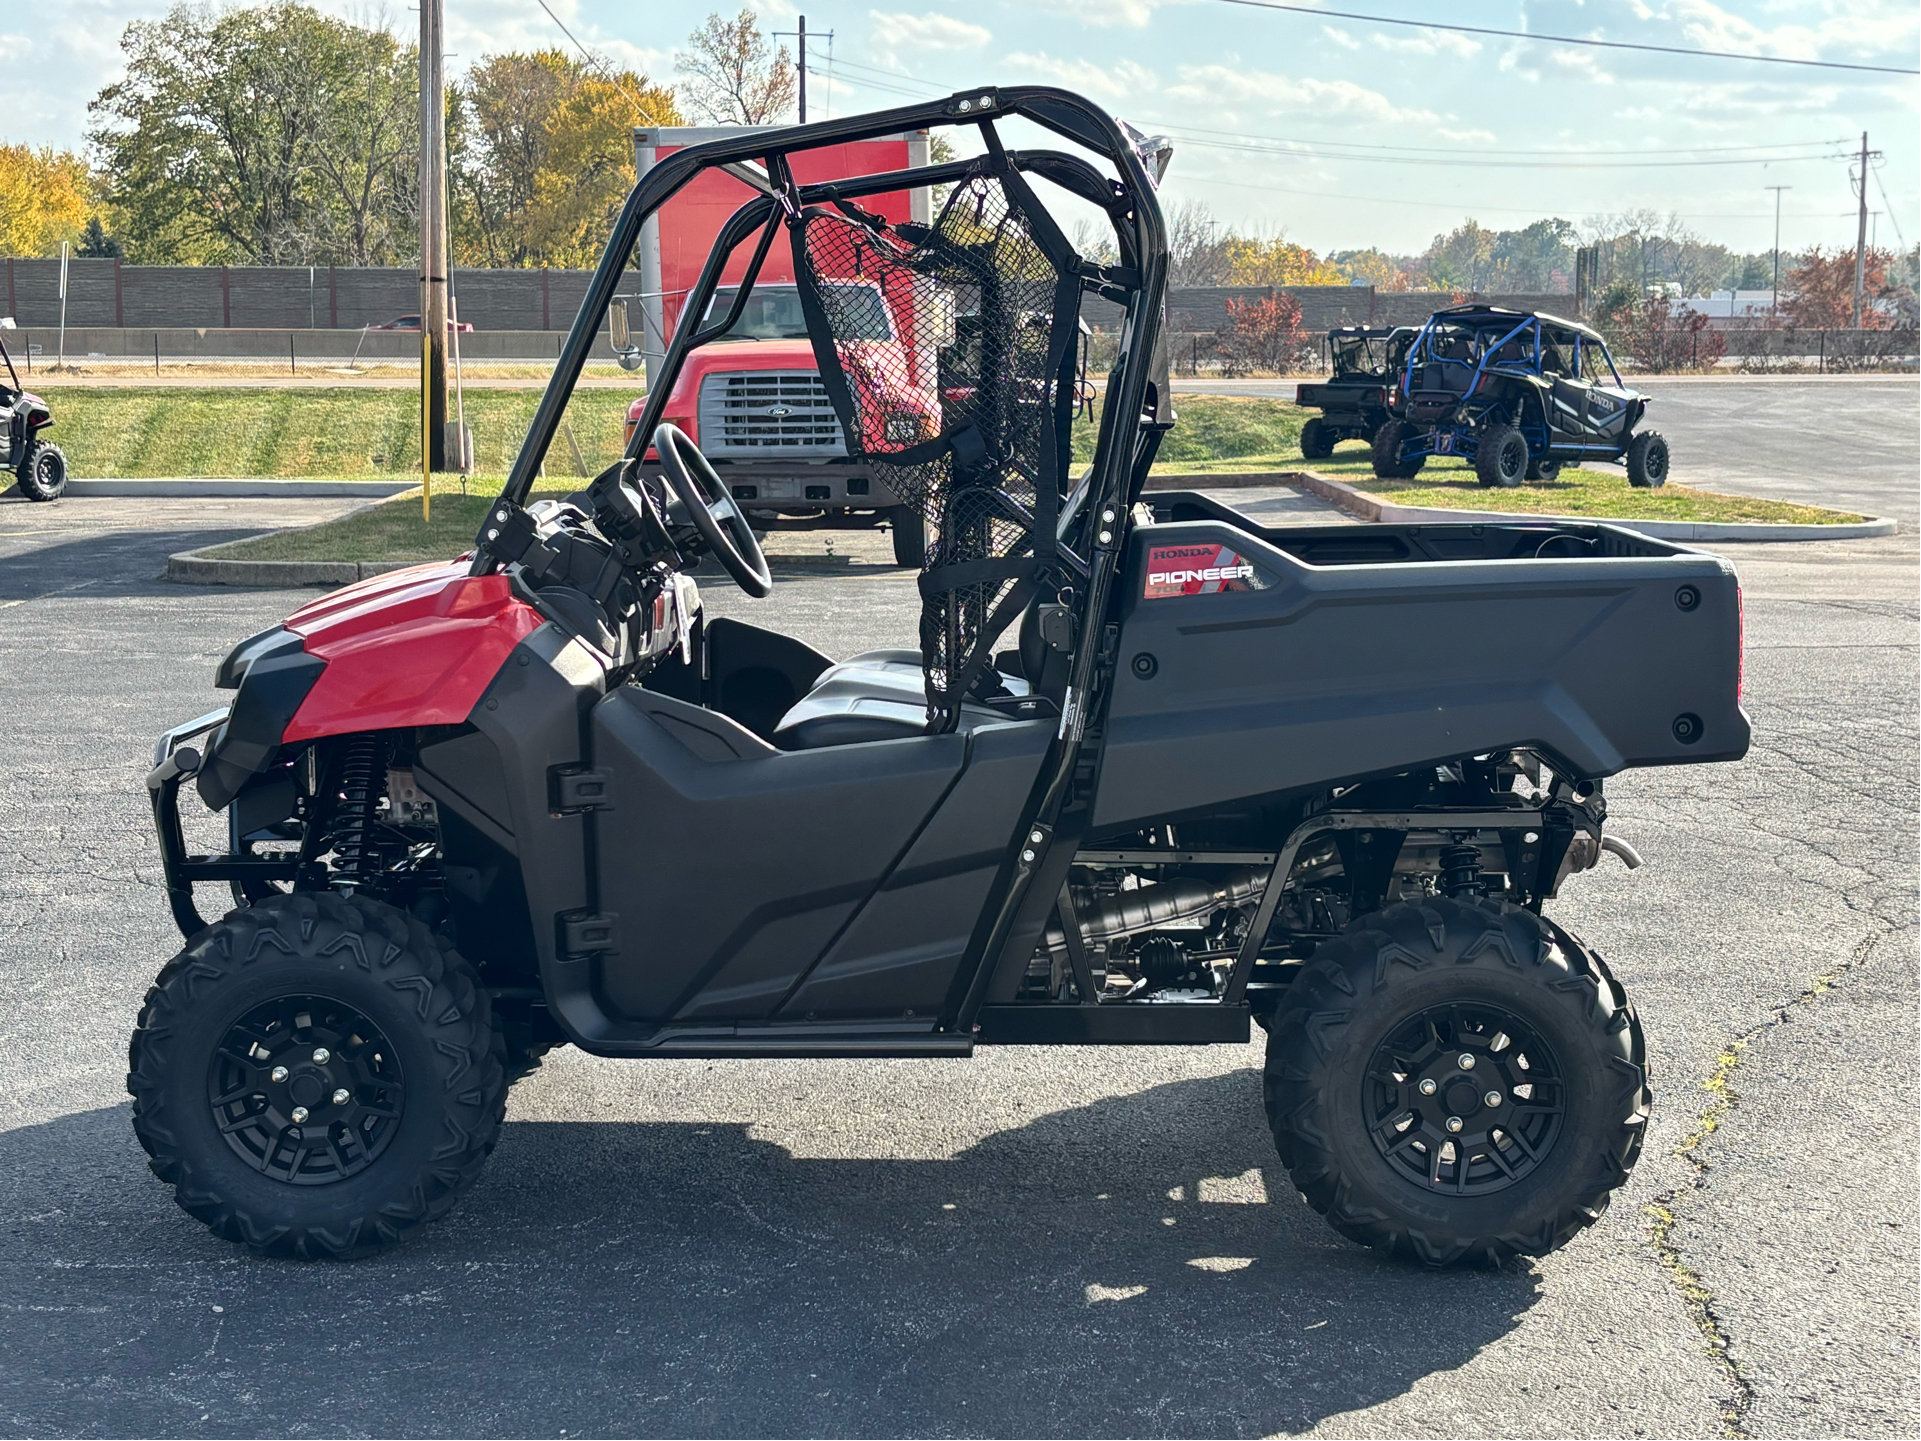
(1518, 395)
(1156, 773)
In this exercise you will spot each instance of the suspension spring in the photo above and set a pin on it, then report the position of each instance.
(356, 860)
(1461, 871)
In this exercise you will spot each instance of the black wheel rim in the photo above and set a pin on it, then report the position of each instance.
(306, 1090)
(1464, 1099)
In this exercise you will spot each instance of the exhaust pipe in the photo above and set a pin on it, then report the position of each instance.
(1152, 907)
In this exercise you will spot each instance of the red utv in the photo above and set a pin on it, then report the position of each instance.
(1157, 773)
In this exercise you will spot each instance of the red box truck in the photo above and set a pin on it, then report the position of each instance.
(756, 405)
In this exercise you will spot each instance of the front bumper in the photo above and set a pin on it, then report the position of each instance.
(174, 761)
(801, 486)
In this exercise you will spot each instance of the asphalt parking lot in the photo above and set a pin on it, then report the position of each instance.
(1034, 1242)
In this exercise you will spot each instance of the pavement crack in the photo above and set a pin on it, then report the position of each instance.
(1663, 1212)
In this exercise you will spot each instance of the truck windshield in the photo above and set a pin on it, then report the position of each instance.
(773, 312)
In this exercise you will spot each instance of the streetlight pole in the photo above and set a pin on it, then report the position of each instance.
(433, 250)
(1774, 293)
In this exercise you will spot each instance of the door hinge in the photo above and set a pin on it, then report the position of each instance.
(588, 935)
(579, 788)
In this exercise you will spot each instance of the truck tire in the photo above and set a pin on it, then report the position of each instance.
(43, 474)
(1318, 440)
(1388, 464)
(1457, 1080)
(1544, 470)
(1648, 460)
(910, 536)
(306, 1014)
(1501, 459)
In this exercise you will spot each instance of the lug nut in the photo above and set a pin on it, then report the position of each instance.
(300, 1114)
(280, 1073)
(1454, 1123)
(1428, 1087)
(1493, 1098)
(322, 1055)
(343, 1095)
(1466, 1061)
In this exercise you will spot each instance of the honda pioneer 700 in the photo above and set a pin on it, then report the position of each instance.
(1518, 394)
(1219, 774)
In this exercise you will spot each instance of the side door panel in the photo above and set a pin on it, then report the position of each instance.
(732, 873)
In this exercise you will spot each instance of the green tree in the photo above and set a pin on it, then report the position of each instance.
(96, 244)
(271, 135)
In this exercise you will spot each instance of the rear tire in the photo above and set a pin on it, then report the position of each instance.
(910, 536)
(1647, 459)
(1344, 1070)
(354, 1013)
(1318, 440)
(1502, 460)
(1545, 471)
(1388, 464)
(43, 474)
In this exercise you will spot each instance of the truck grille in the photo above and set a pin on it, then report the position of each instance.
(777, 412)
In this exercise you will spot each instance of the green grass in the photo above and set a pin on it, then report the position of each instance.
(323, 432)
(1601, 493)
(390, 531)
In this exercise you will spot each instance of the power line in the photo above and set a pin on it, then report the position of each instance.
(1511, 150)
(599, 64)
(1261, 146)
(1568, 39)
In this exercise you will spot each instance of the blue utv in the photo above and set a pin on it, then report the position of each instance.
(1519, 394)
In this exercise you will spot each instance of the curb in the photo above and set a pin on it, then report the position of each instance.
(170, 488)
(1228, 480)
(1371, 507)
(191, 568)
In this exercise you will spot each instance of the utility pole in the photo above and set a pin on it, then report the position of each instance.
(1861, 234)
(1774, 301)
(433, 251)
(801, 36)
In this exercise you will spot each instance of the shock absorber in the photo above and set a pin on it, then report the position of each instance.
(1461, 871)
(356, 859)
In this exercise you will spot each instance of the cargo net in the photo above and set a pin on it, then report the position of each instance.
(950, 385)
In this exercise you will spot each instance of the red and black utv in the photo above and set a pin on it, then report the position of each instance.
(1155, 774)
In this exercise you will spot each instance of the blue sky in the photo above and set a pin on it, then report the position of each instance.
(1336, 132)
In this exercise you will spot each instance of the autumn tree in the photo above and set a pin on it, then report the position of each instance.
(730, 76)
(45, 198)
(1817, 291)
(1264, 334)
(1276, 260)
(542, 156)
(1196, 245)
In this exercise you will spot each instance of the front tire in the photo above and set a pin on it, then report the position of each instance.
(316, 1076)
(1318, 440)
(43, 474)
(1457, 1081)
(910, 536)
(1388, 464)
(1647, 460)
(1501, 460)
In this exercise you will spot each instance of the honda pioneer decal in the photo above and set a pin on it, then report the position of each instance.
(1197, 570)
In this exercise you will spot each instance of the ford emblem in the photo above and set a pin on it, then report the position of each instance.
(779, 412)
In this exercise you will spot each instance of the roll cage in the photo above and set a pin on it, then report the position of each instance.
(1474, 324)
(1080, 565)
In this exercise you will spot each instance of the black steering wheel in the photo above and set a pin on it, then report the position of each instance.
(712, 509)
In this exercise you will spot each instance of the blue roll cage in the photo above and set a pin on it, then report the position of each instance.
(1532, 323)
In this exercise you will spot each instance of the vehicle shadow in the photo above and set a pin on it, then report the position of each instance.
(1134, 1267)
(118, 562)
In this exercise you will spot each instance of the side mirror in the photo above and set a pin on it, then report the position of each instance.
(625, 351)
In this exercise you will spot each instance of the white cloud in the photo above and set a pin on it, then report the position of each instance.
(1124, 80)
(1340, 37)
(1285, 95)
(929, 31)
(1466, 137)
(1103, 13)
(1431, 42)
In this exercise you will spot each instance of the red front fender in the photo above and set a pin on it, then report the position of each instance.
(411, 648)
